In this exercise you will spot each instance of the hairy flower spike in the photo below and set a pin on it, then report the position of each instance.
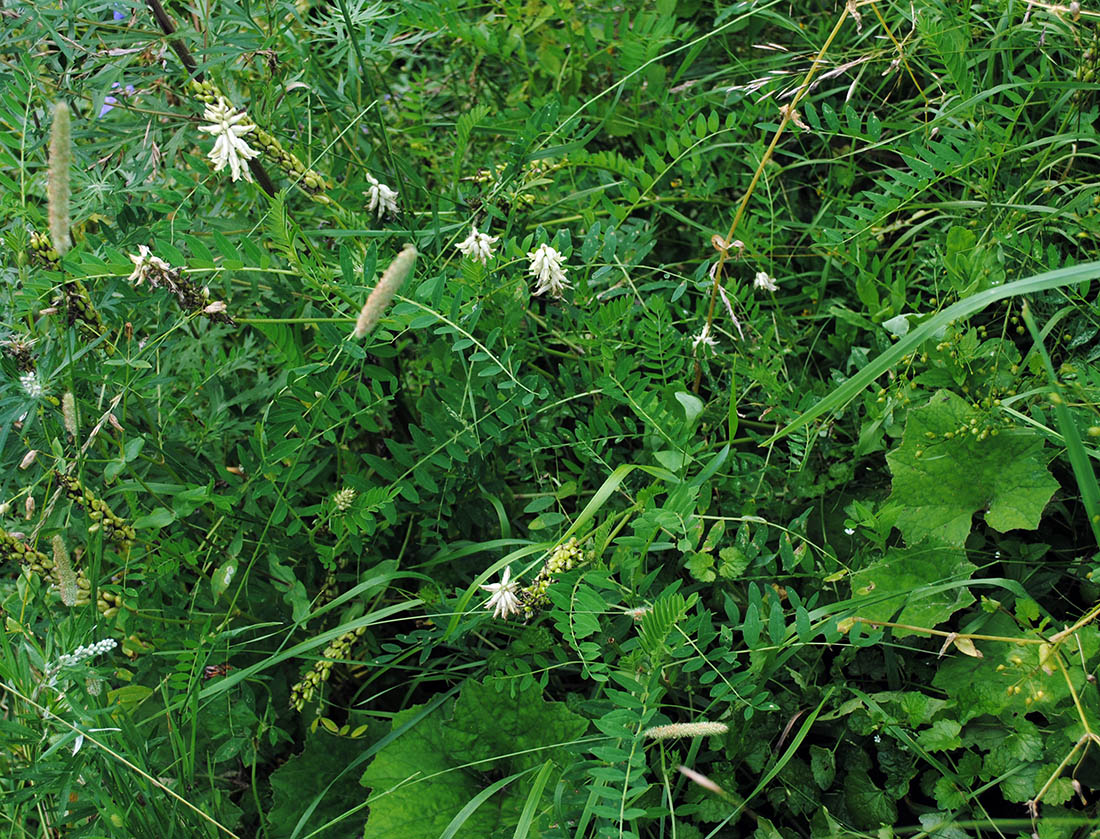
(392, 279)
(547, 265)
(478, 246)
(61, 159)
(63, 569)
(383, 200)
(228, 129)
(68, 413)
(685, 729)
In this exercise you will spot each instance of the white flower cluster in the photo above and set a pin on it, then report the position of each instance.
(343, 499)
(546, 265)
(383, 200)
(31, 386)
(504, 601)
(478, 246)
(87, 651)
(229, 147)
(147, 267)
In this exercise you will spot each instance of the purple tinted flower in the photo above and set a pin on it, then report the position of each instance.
(110, 101)
(119, 15)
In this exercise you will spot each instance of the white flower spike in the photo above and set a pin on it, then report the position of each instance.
(478, 246)
(546, 264)
(764, 282)
(503, 601)
(382, 199)
(229, 145)
(83, 653)
(31, 385)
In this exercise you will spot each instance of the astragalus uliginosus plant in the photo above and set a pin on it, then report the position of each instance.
(549, 421)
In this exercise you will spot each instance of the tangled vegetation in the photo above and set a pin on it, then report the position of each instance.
(428, 419)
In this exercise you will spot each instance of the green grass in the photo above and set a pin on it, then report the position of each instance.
(854, 519)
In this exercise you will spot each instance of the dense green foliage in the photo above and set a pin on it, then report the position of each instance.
(768, 408)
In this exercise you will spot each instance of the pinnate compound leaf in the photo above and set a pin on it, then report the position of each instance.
(427, 775)
(901, 578)
(951, 479)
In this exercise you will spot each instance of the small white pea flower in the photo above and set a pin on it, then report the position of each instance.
(28, 459)
(764, 282)
(147, 268)
(705, 338)
(546, 265)
(31, 385)
(850, 531)
(215, 308)
(478, 246)
(229, 147)
(503, 601)
(382, 199)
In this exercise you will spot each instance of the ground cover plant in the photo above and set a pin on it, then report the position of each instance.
(549, 419)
